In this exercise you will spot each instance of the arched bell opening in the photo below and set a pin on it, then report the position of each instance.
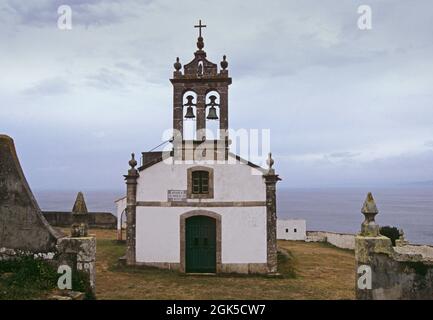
(200, 67)
(212, 115)
(189, 102)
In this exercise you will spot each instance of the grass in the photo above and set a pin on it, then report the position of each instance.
(26, 278)
(310, 271)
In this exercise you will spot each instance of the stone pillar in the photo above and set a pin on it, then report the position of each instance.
(271, 180)
(224, 119)
(368, 244)
(131, 202)
(201, 114)
(80, 217)
(80, 254)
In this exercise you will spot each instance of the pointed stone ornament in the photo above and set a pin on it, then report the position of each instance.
(369, 205)
(270, 163)
(224, 64)
(369, 228)
(80, 204)
(177, 65)
(80, 217)
(132, 162)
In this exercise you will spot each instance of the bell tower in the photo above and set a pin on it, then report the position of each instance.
(200, 94)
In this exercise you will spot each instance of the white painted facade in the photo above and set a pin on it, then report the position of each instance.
(120, 213)
(232, 182)
(243, 229)
(291, 229)
(243, 237)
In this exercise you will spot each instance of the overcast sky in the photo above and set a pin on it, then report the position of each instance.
(345, 106)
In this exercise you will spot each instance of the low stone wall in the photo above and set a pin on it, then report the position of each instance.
(77, 253)
(425, 251)
(384, 272)
(103, 220)
(339, 240)
(24, 231)
(404, 272)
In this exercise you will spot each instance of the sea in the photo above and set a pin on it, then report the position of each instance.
(325, 209)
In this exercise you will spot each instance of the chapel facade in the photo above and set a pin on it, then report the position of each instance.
(198, 208)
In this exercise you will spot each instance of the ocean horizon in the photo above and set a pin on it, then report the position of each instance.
(333, 209)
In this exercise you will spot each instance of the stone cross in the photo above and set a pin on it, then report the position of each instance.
(199, 26)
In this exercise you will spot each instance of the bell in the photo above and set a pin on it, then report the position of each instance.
(189, 113)
(212, 115)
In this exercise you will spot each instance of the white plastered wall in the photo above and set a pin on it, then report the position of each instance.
(243, 234)
(232, 182)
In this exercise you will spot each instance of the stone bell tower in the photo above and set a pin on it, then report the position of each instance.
(200, 93)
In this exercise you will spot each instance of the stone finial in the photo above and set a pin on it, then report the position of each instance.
(224, 64)
(80, 205)
(80, 215)
(132, 162)
(200, 43)
(177, 65)
(369, 228)
(270, 163)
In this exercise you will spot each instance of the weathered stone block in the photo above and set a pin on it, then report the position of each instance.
(22, 225)
(83, 250)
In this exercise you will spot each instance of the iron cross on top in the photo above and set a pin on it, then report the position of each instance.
(200, 26)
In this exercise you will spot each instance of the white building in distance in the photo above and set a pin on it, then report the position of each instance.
(291, 229)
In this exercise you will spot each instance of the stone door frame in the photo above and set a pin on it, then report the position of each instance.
(182, 222)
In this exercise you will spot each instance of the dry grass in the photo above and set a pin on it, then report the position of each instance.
(322, 272)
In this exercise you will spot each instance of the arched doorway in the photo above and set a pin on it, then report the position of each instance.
(200, 242)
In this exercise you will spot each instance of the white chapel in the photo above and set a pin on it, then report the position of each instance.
(198, 208)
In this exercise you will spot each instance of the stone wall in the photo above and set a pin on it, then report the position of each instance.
(83, 260)
(24, 231)
(102, 220)
(424, 250)
(395, 275)
(22, 225)
(339, 240)
(386, 272)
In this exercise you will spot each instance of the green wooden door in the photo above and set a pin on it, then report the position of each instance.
(200, 244)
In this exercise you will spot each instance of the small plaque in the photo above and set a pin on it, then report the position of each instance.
(176, 195)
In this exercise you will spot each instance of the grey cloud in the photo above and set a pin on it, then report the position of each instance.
(84, 12)
(107, 80)
(48, 87)
(343, 155)
(302, 69)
